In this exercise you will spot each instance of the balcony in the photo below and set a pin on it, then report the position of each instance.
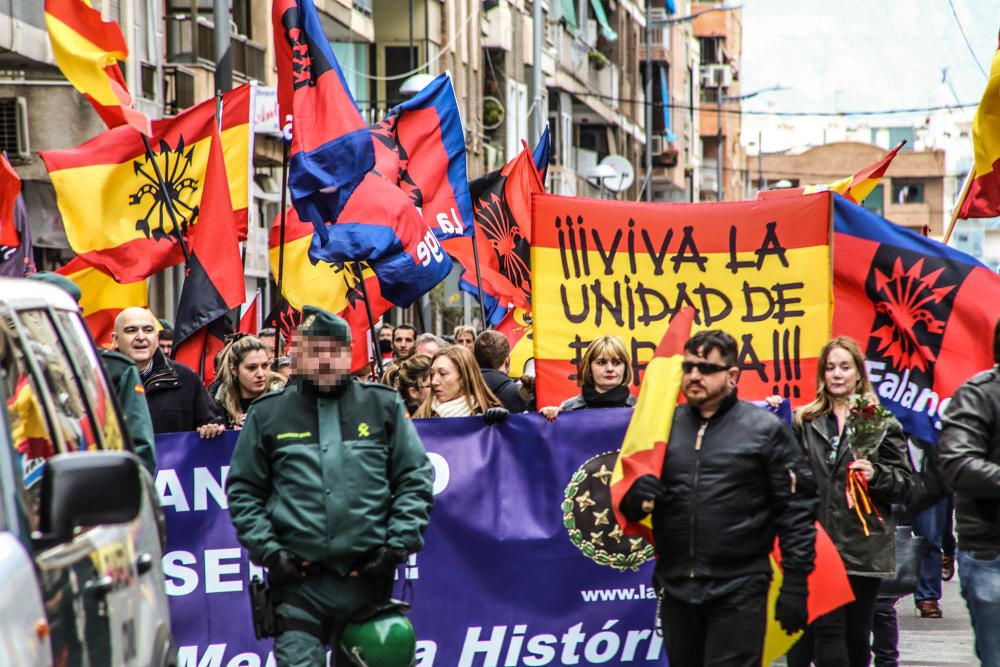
(193, 43)
(179, 89)
(604, 81)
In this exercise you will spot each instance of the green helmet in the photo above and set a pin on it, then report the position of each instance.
(385, 640)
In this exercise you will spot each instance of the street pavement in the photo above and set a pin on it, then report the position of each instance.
(940, 642)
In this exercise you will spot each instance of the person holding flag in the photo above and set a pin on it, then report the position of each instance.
(732, 478)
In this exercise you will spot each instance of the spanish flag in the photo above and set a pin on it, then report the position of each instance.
(983, 198)
(10, 189)
(87, 50)
(103, 298)
(643, 452)
(112, 206)
(855, 188)
(645, 444)
(332, 287)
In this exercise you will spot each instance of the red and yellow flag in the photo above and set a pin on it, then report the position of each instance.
(335, 288)
(87, 50)
(645, 444)
(983, 199)
(103, 298)
(10, 188)
(112, 206)
(855, 187)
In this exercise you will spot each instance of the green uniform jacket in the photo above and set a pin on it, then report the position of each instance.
(330, 479)
(131, 394)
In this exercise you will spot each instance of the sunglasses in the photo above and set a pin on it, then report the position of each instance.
(704, 367)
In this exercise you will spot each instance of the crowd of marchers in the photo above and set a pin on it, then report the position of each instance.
(735, 479)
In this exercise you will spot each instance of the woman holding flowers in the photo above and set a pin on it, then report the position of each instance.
(857, 450)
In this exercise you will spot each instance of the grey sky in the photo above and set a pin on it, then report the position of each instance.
(850, 55)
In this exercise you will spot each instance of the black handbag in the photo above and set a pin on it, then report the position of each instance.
(909, 556)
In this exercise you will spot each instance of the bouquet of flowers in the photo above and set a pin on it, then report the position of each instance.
(867, 425)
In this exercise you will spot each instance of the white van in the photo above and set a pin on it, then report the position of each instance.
(81, 532)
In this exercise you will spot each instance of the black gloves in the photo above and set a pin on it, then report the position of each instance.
(284, 567)
(495, 415)
(383, 563)
(647, 487)
(791, 610)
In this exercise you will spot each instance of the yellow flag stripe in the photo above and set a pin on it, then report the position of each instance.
(82, 61)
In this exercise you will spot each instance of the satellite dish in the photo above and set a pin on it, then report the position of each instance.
(624, 173)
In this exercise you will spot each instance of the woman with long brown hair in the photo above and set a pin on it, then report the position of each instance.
(245, 374)
(858, 476)
(458, 388)
(412, 380)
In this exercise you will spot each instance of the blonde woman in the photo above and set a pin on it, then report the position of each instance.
(465, 336)
(604, 375)
(842, 637)
(245, 374)
(412, 381)
(458, 388)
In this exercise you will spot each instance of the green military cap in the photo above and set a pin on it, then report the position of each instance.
(318, 322)
(60, 281)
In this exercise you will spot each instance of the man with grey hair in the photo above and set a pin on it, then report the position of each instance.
(429, 344)
(177, 399)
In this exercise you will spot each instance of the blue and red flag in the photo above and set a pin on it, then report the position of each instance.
(380, 225)
(214, 281)
(331, 147)
(919, 310)
(420, 146)
(543, 153)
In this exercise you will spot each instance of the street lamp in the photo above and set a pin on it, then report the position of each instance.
(720, 98)
(648, 184)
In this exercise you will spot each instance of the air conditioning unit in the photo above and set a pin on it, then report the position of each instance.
(716, 76)
(14, 128)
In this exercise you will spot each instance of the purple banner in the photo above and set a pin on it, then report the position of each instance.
(523, 563)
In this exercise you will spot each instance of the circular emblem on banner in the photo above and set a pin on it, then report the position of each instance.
(590, 521)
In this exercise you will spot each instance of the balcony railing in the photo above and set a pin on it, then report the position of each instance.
(193, 42)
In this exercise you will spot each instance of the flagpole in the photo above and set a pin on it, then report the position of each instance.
(958, 204)
(371, 317)
(479, 280)
(168, 202)
(281, 230)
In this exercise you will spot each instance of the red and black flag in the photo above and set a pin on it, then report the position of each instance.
(214, 281)
(502, 204)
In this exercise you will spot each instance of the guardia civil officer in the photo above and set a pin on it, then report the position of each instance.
(330, 488)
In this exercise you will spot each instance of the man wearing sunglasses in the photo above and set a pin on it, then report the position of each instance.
(733, 479)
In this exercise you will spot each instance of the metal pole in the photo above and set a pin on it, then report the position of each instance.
(479, 281)
(281, 233)
(413, 56)
(760, 161)
(371, 318)
(223, 49)
(168, 200)
(649, 107)
(537, 127)
(718, 148)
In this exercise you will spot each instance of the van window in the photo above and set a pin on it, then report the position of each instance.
(72, 420)
(30, 428)
(93, 380)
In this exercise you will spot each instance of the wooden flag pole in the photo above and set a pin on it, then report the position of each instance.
(168, 202)
(285, 143)
(958, 204)
(371, 318)
(479, 279)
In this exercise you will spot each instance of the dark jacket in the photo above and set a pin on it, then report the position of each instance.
(329, 476)
(507, 389)
(178, 401)
(873, 555)
(578, 402)
(970, 460)
(727, 500)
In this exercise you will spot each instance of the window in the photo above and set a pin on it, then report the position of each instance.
(398, 60)
(907, 192)
(875, 201)
(711, 50)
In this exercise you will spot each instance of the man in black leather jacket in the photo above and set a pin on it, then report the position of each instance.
(733, 479)
(970, 461)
